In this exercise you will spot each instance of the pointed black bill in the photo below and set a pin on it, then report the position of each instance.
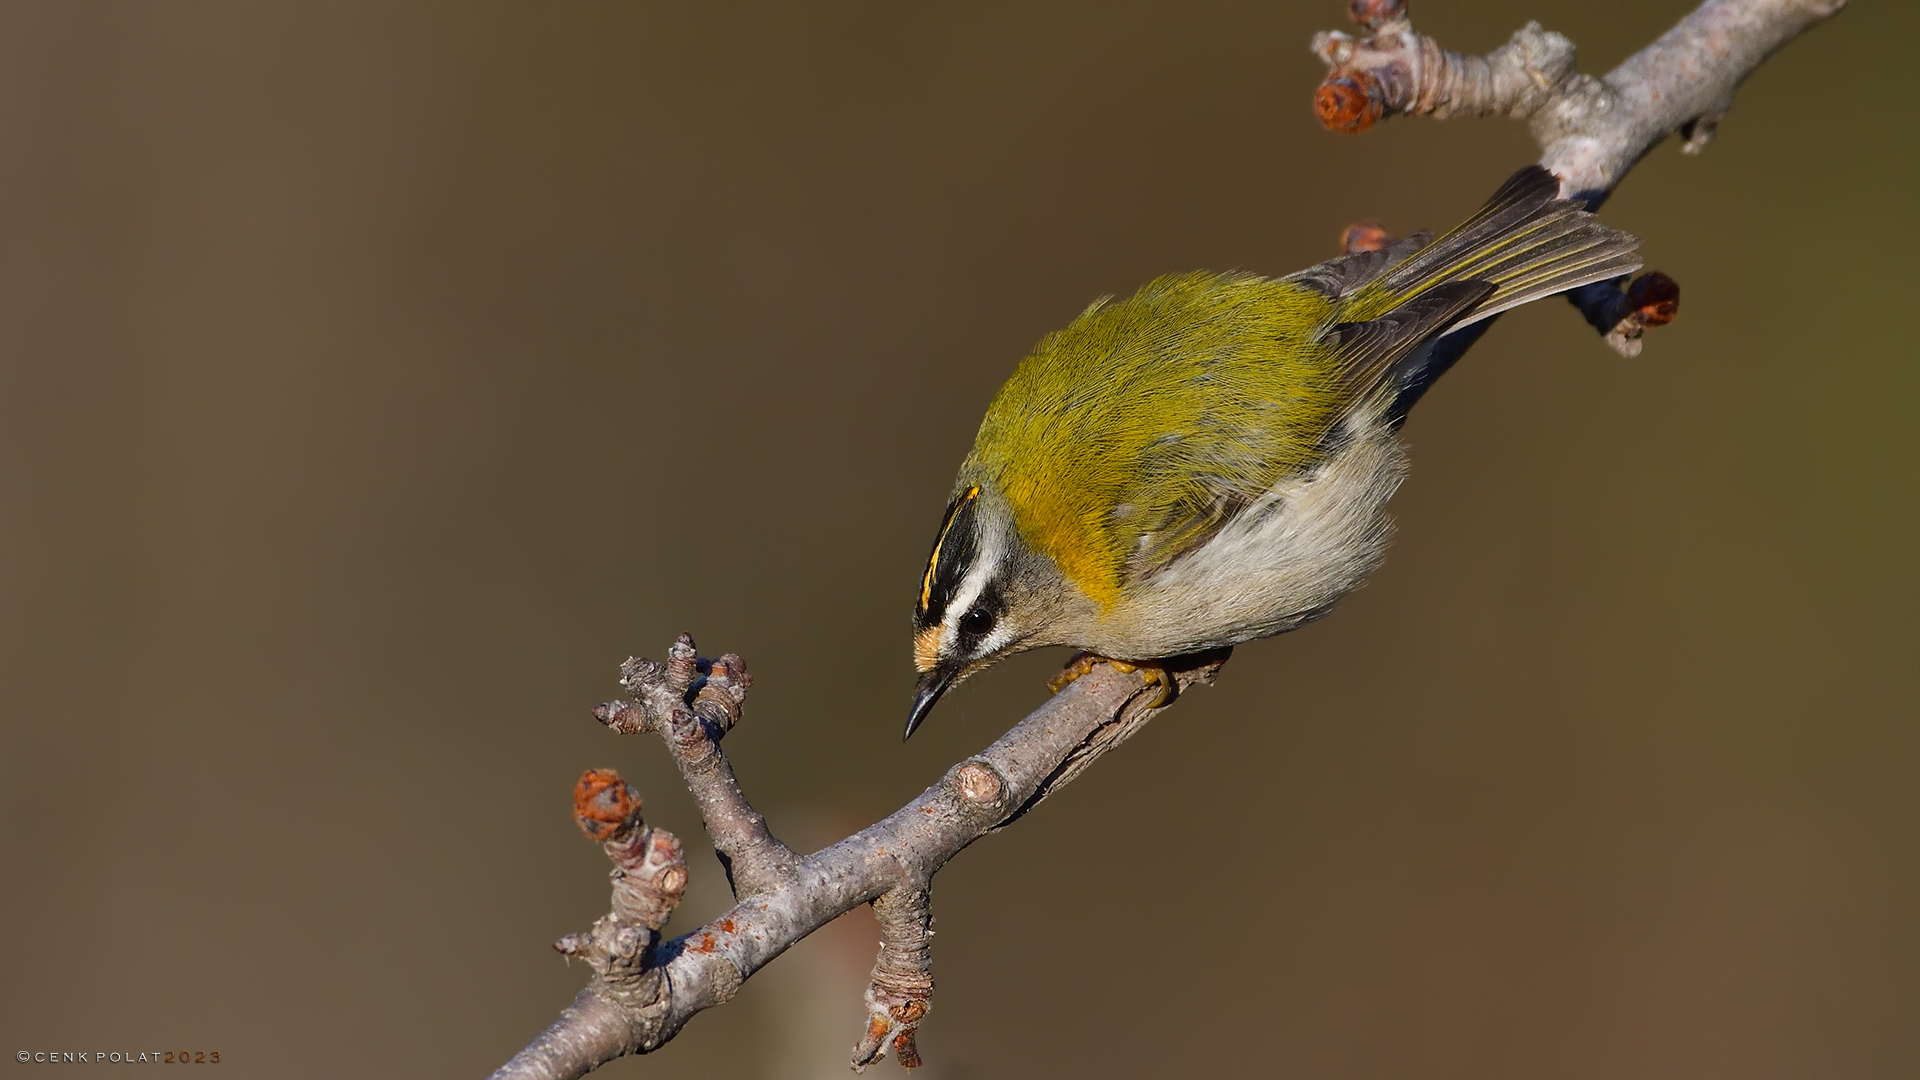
(932, 685)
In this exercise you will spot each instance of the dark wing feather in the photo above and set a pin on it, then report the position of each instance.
(1367, 351)
(1526, 240)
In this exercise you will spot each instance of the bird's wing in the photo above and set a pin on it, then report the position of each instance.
(1210, 492)
(1129, 435)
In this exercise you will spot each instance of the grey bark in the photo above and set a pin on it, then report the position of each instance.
(890, 864)
(1591, 131)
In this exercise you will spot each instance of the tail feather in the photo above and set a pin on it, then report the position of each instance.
(1526, 242)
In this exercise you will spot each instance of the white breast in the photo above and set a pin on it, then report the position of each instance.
(1279, 563)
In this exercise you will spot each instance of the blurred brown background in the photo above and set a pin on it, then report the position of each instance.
(375, 378)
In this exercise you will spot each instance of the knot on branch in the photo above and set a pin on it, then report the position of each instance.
(1395, 71)
(979, 791)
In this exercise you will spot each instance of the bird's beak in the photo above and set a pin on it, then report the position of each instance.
(932, 685)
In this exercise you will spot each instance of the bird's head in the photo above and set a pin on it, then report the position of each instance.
(985, 594)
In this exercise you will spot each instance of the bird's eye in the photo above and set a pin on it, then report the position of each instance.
(976, 622)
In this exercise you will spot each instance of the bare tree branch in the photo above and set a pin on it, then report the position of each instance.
(890, 864)
(1591, 131)
(630, 988)
(642, 990)
(692, 703)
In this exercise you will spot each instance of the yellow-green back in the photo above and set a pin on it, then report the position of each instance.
(1132, 431)
(1143, 426)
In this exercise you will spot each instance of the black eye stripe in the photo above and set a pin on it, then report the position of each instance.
(952, 556)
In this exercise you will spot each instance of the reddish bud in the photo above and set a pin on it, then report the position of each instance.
(1653, 299)
(1349, 104)
(603, 804)
(1364, 236)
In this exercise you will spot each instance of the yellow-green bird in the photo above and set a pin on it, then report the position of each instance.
(1208, 461)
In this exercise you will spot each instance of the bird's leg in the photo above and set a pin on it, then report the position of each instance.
(1155, 674)
(1081, 664)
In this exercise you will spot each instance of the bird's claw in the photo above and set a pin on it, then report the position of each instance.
(1156, 675)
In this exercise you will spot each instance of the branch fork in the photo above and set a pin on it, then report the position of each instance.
(644, 990)
(691, 704)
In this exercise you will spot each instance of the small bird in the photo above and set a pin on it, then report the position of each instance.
(1208, 461)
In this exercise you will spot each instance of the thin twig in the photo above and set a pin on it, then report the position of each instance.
(692, 704)
(901, 990)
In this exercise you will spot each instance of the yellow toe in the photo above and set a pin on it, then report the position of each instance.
(1082, 663)
(1076, 667)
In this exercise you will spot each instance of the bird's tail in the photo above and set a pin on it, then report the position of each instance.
(1526, 242)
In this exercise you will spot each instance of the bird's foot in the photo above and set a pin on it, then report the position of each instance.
(1155, 674)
